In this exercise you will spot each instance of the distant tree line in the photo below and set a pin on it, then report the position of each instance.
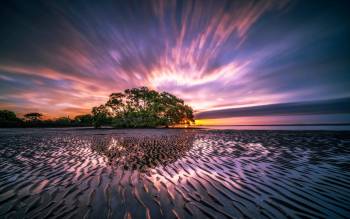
(133, 108)
(142, 107)
(8, 119)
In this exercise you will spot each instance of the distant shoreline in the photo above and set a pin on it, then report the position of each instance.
(189, 127)
(320, 124)
(292, 128)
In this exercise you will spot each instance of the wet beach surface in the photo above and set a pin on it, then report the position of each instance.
(174, 173)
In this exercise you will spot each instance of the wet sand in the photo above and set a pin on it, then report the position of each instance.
(160, 173)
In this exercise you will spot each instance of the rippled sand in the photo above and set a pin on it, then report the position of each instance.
(72, 173)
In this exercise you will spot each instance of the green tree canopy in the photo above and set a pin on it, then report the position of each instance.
(142, 107)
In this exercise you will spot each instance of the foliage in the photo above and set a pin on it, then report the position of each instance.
(100, 116)
(83, 120)
(8, 119)
(7, 115)
(64, 121)
(137, 107)
(141, 107)
(33, 116)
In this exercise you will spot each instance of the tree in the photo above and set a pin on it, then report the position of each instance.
(83, 120)
(100, 116)
(62, 121)
(141, 107)
(116, 103)
(33, 116)
(7, 115)
(9, 119)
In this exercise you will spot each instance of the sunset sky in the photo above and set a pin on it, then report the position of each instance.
(234, 62)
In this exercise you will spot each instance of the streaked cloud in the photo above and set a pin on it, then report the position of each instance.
(62, 58)
(334, 106)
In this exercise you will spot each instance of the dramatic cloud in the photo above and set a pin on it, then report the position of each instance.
(62, 58)
(336, 106)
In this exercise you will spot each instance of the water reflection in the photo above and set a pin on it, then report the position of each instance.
(202, 174)
(142, 153)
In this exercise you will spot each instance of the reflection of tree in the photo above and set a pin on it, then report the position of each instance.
(143, 152)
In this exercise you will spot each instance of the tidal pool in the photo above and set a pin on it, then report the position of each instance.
(173, 173)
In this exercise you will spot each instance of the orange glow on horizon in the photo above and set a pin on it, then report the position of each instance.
(251, 120)
(234, 121)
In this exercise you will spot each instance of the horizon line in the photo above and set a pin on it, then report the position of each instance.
(315, 107)
(309, 124)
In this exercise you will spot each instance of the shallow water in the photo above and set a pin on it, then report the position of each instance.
(76, 173)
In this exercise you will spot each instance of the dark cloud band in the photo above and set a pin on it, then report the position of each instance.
(335, 106)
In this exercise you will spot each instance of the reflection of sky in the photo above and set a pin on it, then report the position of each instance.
(62, 59)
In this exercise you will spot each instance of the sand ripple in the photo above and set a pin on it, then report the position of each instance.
(45, 173)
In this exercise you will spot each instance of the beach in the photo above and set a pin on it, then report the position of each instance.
(173, 173)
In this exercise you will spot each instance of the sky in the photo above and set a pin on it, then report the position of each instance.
(234, 62)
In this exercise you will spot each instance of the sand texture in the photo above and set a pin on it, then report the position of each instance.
(159, 173)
